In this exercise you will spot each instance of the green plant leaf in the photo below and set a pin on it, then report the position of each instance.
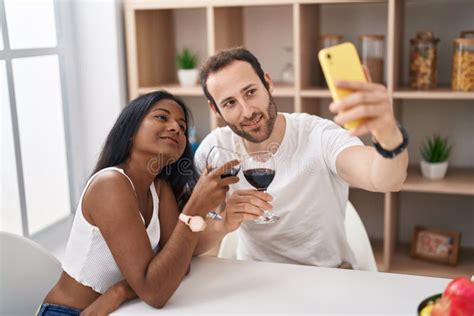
(435, 149)
(186, 60)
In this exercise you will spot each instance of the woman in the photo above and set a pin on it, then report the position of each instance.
(123, 245)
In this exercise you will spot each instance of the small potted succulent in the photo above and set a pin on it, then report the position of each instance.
(435, 153)
(187, 71)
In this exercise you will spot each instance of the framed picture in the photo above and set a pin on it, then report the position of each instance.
(436, 245)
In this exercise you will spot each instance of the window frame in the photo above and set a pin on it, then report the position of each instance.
(8, 54)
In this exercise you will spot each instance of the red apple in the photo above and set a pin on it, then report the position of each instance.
(457, 300)
(460, 287)
(453, 306)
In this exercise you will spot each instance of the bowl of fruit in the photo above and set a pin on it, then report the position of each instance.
(456, 300)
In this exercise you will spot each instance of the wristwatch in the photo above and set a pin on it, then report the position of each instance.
(195, 223)
(392, 153)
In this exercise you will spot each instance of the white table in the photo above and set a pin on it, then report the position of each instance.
(225, 286)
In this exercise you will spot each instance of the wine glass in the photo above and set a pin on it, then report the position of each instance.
(216, 157)
(259, 170)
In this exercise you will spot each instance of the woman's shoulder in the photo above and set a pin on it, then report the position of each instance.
(109, 183)
(107, 191)
(112, 177)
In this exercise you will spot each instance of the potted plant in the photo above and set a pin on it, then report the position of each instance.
(435, 152)
(187, 72)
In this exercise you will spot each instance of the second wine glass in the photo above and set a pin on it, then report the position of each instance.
(259, 170)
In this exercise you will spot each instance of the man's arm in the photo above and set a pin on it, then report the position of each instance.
(363, 166)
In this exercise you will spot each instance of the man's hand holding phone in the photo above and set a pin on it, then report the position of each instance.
(361, 106)
(370, 103)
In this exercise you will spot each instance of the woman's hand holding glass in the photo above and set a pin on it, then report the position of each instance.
(216, 158)
(211, 189)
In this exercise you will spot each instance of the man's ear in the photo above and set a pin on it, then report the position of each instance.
(269, 80)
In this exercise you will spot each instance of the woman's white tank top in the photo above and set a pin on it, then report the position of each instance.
(88, 259)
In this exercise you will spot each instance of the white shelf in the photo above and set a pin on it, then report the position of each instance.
(434, 94)
(174, 89)
(315, 93)
(280, 90)
(457, 181)
(402, 262)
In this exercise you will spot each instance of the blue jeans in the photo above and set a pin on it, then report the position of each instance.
(57, 310)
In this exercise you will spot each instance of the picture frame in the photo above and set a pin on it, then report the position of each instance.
(436, 245)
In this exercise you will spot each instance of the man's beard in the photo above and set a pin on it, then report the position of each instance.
(267, 127)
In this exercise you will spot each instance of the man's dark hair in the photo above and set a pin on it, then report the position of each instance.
(224, 58)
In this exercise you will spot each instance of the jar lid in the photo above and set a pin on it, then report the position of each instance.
(464, 41)
(331, 36)
(376, 37)
(424, 36)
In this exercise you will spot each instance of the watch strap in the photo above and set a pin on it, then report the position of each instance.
(395, 152)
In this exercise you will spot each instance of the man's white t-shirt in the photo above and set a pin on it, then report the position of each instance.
(308, 195)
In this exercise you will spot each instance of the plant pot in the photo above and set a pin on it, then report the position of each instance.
(433, 171)
(188, 77)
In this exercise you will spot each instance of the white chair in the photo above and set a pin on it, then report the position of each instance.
(359, 240)
(27, 273)
(356, 236)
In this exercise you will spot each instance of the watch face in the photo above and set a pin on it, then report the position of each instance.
(197, 224)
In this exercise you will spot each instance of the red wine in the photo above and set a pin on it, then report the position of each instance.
(259, 178)
(230, 173)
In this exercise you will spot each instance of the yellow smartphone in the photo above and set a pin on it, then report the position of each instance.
(341, 62)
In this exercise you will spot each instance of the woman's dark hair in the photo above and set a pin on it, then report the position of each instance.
(181, 174)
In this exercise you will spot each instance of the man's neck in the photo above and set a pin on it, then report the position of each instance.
(273, 142)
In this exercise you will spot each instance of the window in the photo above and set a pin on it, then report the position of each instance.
(30, 24)
(10, 216)
(35, 190)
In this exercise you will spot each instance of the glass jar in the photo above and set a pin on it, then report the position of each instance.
(423, 61)
(372, 55)
(462, 78)
(328, 40)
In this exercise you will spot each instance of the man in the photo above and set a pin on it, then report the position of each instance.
(316, 161)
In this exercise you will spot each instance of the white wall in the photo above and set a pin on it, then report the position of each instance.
(95, 89)
(96, 84)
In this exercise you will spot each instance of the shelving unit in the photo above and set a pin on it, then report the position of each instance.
(151, 43)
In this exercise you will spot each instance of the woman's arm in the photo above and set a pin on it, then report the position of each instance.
(110, 300)
(121, 291)
(169, 213)
(114, 210)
